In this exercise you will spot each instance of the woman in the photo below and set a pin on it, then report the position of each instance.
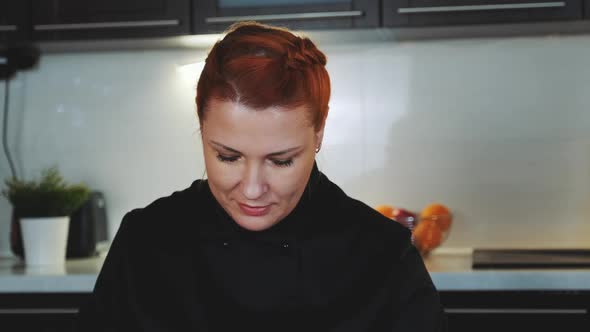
(267, 242)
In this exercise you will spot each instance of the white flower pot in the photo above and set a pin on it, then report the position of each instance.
(45, 240)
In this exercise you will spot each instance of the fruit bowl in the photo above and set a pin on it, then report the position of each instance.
(431, 231)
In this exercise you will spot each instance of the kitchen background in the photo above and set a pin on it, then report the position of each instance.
(497, 129)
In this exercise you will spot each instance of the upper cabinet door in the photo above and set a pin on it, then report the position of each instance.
(216, 15)
(15, 20)
(102, 19)
(455, 12)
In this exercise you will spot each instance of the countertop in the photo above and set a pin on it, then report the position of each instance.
(450, 270)
(77, 276)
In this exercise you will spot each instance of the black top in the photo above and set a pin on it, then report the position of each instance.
(333, 264)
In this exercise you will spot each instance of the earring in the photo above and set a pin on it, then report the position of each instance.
(318, 148)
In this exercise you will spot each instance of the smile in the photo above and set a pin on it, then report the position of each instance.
(255, 211)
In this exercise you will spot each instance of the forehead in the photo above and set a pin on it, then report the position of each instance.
(238, 126)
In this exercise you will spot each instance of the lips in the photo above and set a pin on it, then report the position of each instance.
(254, 211)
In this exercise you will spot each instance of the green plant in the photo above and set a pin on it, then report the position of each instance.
(50, 196)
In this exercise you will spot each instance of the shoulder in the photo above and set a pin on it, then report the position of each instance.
(384, 231)
(350, 213)
(176, 204)
(166, 220)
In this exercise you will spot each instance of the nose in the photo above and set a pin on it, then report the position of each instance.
(253, 182)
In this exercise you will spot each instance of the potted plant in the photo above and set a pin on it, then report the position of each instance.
(43, 208)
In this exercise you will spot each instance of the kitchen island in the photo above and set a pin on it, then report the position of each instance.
(499, 299)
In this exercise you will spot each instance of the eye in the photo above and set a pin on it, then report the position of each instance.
(227, 159)
(283, 163)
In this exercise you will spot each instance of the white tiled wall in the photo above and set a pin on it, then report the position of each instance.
(497, 129)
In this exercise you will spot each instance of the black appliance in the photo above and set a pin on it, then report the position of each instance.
(530, 258)
(88, 226)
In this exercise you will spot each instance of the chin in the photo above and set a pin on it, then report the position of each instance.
(255, 224)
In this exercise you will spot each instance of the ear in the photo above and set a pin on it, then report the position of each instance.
(319, 135)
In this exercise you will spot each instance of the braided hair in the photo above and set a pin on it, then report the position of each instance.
(262, 66)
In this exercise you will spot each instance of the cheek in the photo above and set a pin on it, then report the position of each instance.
(289, 185)
(220, 176)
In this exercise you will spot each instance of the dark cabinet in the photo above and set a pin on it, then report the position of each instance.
(216, 15)
(15, 23)
(467, 311)
(46, 20)
(109, 19)
(463, 12)
(40, 312)
(537, 311)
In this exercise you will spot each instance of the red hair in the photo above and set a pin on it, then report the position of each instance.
(261, 66)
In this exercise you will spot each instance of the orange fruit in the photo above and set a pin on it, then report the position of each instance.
(386, 210)
(439, 213)
(443, 221)
(435, 208)
(427, 235)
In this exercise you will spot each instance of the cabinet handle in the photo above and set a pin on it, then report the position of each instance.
(514, 311)
(435, 9)
(35, 311)
(105, 25)
(8, 28)
(280, 17)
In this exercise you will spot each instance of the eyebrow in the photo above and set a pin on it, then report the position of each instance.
(273, 154)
